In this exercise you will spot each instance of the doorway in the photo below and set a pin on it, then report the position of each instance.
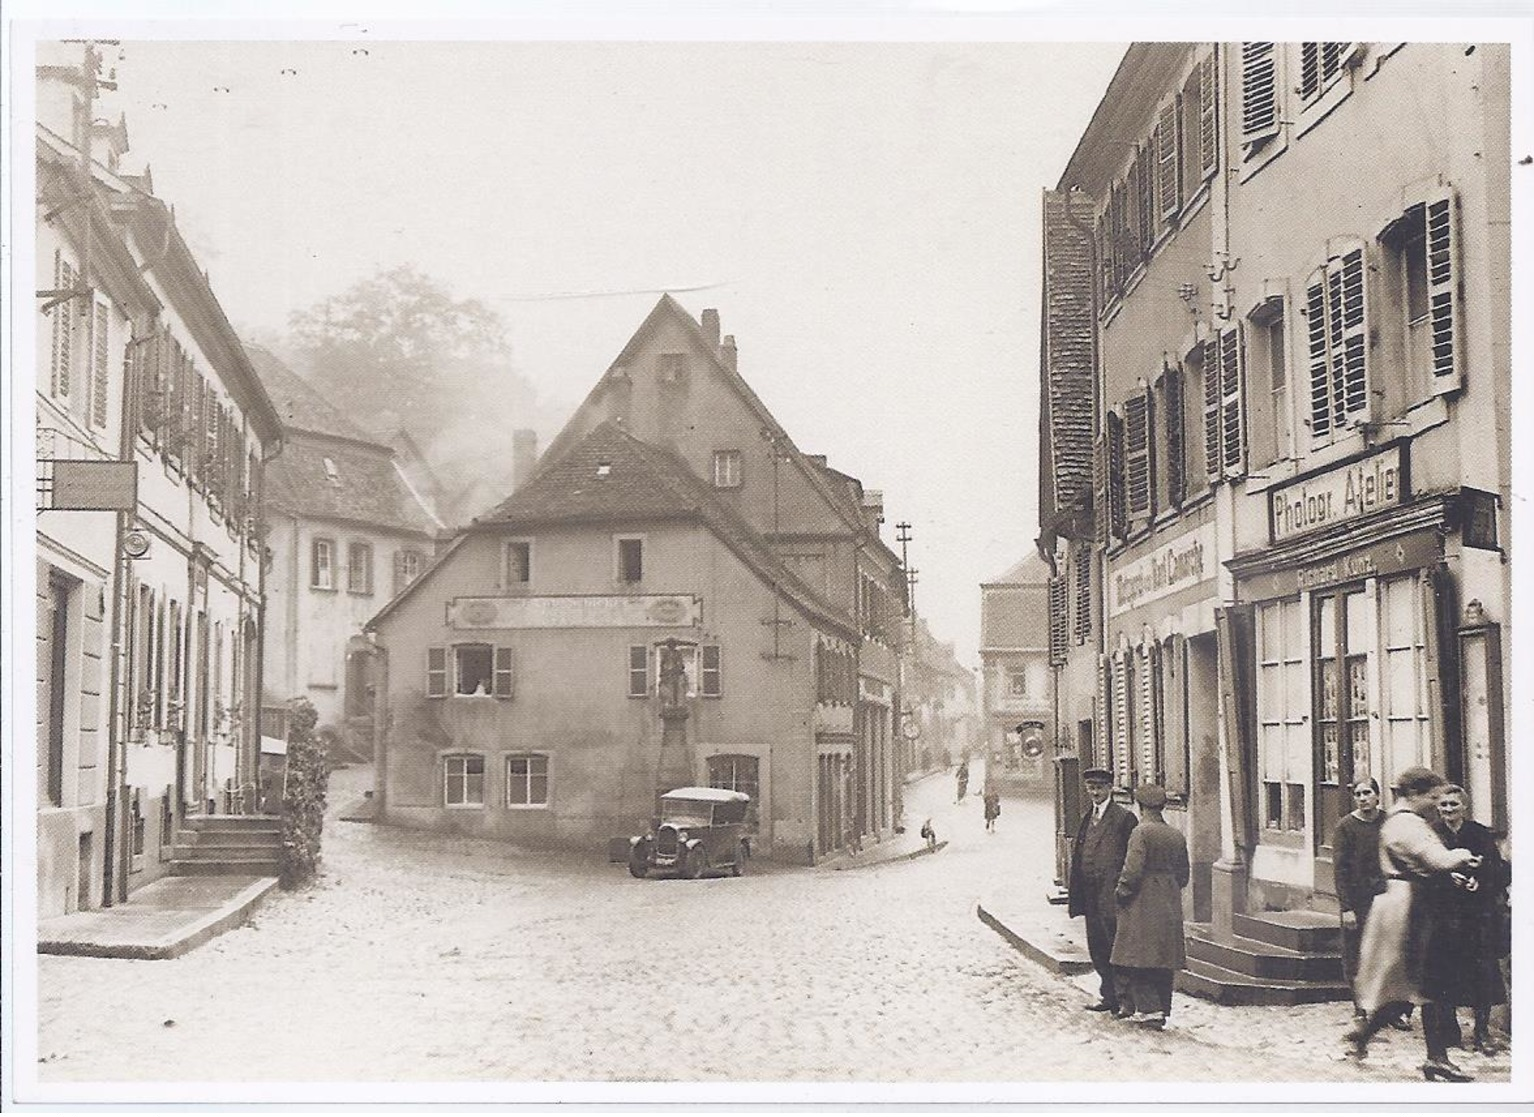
(1342, 622)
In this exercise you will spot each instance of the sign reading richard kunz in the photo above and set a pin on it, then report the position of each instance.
(1345, 492)
(1172, 567)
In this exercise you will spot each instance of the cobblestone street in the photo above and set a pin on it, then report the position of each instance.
(420, 957)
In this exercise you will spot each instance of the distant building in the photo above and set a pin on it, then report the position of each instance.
(1016, 678)
(940, 701)
(148, 607)
(346, 532)
(671, 508)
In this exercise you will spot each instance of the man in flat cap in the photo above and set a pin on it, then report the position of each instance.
(1097, 859)
(1148, 948)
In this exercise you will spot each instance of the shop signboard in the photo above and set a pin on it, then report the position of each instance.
(1412, 551)
(1337, 495)
(1171, 567)
(596, 611)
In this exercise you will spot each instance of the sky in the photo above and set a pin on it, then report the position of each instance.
(865, 217)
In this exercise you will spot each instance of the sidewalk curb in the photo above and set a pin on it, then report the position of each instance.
(227, 916)
(874, 863)
(1064, 958)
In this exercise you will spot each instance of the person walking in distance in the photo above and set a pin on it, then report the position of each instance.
(1097, 859)
(963, 778)
(992, 806)
(1392, 955)
(1356, 863)
(1148, 946)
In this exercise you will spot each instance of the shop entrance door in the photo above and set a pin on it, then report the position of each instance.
(1341, 621)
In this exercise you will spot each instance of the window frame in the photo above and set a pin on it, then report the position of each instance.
(328, 544)
(707, 673)
(620, 567)
(507, 567)
(641, 670)
(527, 779)
(466, 758)
(362, 548)
(733, 474)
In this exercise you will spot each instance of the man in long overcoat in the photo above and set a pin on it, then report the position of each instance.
(1097, 858)
(1148, 948)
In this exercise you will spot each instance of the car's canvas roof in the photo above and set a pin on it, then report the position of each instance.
(707, 794)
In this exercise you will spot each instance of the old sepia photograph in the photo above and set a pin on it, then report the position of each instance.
(598, 556)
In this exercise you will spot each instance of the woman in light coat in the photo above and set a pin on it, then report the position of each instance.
(1148, 946)
(1394, 947)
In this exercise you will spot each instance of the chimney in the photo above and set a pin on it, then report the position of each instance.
(727, 354)
(711, 327)
(524, 456)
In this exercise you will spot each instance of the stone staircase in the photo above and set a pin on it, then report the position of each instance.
(1271, 958)
(228, 845)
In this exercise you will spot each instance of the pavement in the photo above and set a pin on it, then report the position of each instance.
(163, 919)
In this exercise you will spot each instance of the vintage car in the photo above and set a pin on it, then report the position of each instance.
(699, 828)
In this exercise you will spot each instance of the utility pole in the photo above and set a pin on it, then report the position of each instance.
(903, 537)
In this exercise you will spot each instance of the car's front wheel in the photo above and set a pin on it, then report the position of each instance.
(741, 853)
(697, 861)
(638, 868)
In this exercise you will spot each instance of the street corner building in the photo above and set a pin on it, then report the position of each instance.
(1275, 452)
(153, 434)
(678, 596)
(1018, 693)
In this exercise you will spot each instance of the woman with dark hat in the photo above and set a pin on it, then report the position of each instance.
(1462, 954)
(1393, 952)
(1148, 948)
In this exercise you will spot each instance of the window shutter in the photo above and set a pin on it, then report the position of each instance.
(1120, 746)
(63, 332)
(1137, 463)
(1332, 57)
(1210, 370)
(1100, 510)
(505, 675)
(1149, 663)
(1232, 412)
(1320, 361)
(99, 367)
(436, 672)
(1310, 69)
(1208, 115)
(1174, 710)
(1167, 182)
(399, 572)
(1083, 629)
(1118, 511)
(1443, 292)
(1176, 441)
(1259, 94)
(1348, 334)
(1057, 630)
(1102, 732)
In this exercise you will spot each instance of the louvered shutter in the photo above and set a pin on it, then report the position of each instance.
(1137, 468)
(1259, 93)
(1174, 708)
(505, 676)
(1209, 369)
(1146, 198)
(1349, 337)
(1148, 664)
(1101, 513)
(1208, 114)
(1083, 595)
(1057, 622)
(63, 332)
(99, 327)
(1122, 758)
(1320, 357)
(1118, 511)
(436, 672)
(1332, 57)
(1443, 292)
(1137, 235)
(1167, 178)
(1176, 441)
(1232, 409)
(1102, 736)
(1310, 70)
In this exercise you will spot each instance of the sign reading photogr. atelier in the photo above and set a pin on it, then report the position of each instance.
(1344, 493)
(596, 611)
(1170, 568)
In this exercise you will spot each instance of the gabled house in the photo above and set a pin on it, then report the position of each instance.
(346, 530)
(677, 384)
(1017, 694)
(612, 630)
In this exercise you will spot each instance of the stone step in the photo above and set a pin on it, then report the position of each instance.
(208, 822)
(227, 866)
(1261, 959)
(226, 838)
(1309, 932)
(190, 851)
(1227, 987)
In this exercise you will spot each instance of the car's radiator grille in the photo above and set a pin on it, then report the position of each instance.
(665, 841)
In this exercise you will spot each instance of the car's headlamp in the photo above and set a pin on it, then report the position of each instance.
(681, 835)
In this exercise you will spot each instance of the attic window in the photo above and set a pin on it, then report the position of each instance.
(671, 367)
(332, 473)
(604, 468)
